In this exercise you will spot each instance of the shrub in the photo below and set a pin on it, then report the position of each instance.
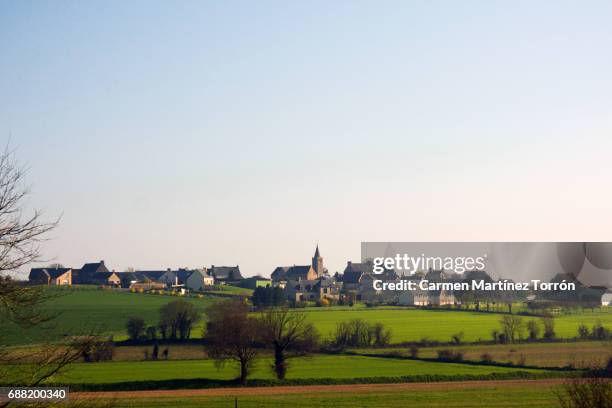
(499, 337)
(426, 341)
(135, 328)
(382, 336)
(599, 332)
(445, 354)
(151, 333)
(450, 355)
(549, 327)
(512, 327)
(486, 358)
(586, 393)
(96, 349)
(359, 333)
(533, 330)
(457, 338)
(414, 351)
(155, 352)
(583, 331)
(322, 303)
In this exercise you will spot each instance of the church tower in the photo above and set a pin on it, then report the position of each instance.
(317, 262)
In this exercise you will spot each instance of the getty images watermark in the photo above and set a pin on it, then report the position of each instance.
(489, 267)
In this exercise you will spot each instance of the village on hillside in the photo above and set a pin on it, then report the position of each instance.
(311, 283)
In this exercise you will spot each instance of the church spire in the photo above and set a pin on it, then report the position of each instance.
(317, 262)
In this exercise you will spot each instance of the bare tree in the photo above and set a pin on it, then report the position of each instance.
(549, 327)
(286, 332)
(178, 318)
(512, 326)
(135, 328)
(22, 305)
(585, 393)
(20, 234)
(533, 329)
(231, 334)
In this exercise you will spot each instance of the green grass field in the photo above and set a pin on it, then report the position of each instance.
(318, 366)
(229, 290)
(415, 324)
(583, 354)
(500, 397)
(85, 309)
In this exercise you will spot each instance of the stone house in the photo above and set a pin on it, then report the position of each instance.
(283, 274)
(313, 289)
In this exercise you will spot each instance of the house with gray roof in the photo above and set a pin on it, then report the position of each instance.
(106, 279)
(313, 289)
(283, 274)
(294, 273)
(50, 276)
(86, 274)
(225, 274)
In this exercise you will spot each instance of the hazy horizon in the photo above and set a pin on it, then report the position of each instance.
(240, 133)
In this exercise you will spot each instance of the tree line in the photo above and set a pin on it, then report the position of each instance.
(176, 320)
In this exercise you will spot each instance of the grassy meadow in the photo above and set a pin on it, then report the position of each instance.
(314, 367)
(83, 309)
(583, 354)
(223, 290)
(409, 324)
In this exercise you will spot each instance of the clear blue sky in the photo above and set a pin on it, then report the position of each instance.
(196, 133)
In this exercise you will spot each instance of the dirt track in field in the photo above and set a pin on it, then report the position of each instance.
(305, 389)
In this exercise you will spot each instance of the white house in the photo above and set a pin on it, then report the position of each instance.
(415, 297)
(198, 280)
(606, 298)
